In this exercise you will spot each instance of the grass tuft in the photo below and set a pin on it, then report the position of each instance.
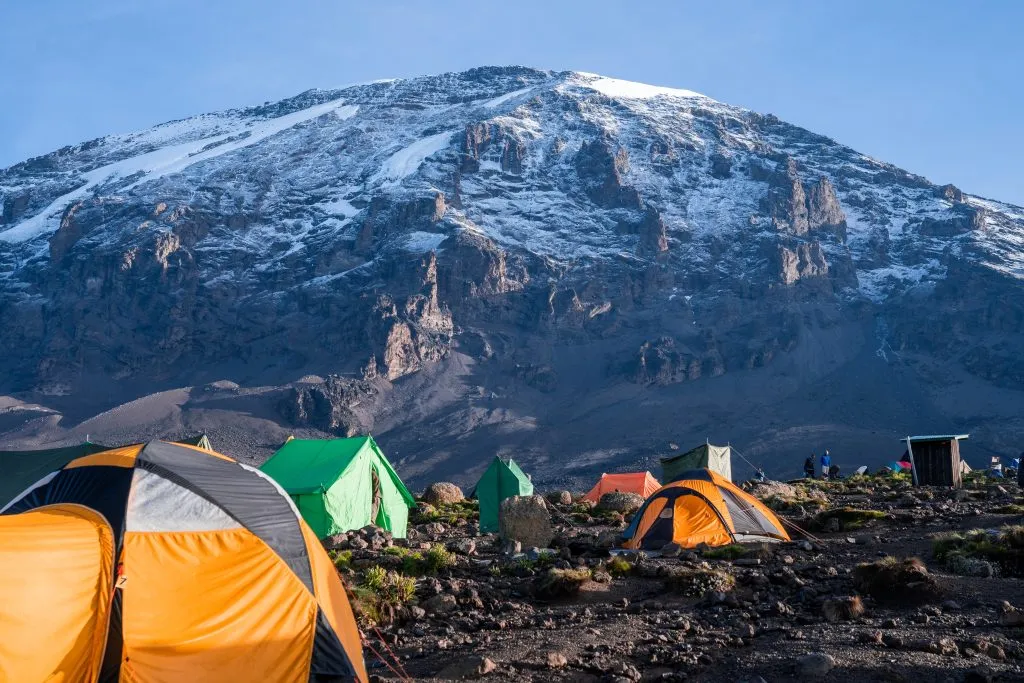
(447, 513)
(382, 595)
(848, 519)
(374, 577)
(695, 582)
(962, 551)
(843, 609)
(895, 581)
(733, 551)
(560, 583)
(619, 566)
(437, 558)
(342, 559)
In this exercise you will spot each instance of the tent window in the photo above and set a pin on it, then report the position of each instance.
(158, 504)
(746, 518)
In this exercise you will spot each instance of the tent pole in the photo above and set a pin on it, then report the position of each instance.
(913, 466)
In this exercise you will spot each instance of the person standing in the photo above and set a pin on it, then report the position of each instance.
(1020, 471)
(809, 467)
(826, 464)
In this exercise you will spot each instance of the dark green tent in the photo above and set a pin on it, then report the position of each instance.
(341, 484)
(199, 441)
(715, 458)
(21, 469)
(501, 480)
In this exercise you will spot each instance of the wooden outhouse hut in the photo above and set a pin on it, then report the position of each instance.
(935, 459)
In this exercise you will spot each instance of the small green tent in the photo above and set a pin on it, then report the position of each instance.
(199, 441)
(341, 484)
(715, 458)
(21, 469)
(500, 481)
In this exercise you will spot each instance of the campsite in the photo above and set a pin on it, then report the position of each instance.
(350, 577)
(511, 342)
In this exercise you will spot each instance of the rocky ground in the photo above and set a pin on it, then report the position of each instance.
(843, 602)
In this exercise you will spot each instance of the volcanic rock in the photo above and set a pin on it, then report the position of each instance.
(525, 519)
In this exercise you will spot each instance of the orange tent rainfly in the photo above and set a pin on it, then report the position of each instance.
(163, 563)
(702, 507)
(643, 483)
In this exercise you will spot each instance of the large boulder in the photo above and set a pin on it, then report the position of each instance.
(619, 501)
(769, 489)
(443, 492)
(525, 519)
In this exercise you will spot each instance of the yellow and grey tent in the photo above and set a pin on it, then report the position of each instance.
(162, 563)
(702, 507)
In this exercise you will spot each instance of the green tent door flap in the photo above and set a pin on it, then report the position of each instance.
(311, 507)
(715, 458)
(348, 482)
(501, 480)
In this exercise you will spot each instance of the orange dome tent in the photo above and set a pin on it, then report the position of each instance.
(164, 562)
(702, 507)
(642, 483)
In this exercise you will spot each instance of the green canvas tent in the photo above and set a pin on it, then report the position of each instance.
(199, 441)
(715, 458)
(501, 480)
(21, 469)
(341, 484)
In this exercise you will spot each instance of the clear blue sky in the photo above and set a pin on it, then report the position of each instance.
(934, 86)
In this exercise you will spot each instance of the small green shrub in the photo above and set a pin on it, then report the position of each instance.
(619, 566)
(848, 518)
(365, 603)
(437, 558)
(398, 589)
(430, 562)
(560, 583)
(1003, 548)
(447, 513)
(382, 593)
(374, 577)
(412, 562)
(395, 551)
(733, 551)
(696, 582)
(1011, 509)
(342, 559)
(522, 566)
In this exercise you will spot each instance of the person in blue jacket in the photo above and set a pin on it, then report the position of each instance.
(826, 464)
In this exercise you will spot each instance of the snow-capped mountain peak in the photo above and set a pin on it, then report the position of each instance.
(693, 236)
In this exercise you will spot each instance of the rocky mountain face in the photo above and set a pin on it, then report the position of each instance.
(575, 270)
